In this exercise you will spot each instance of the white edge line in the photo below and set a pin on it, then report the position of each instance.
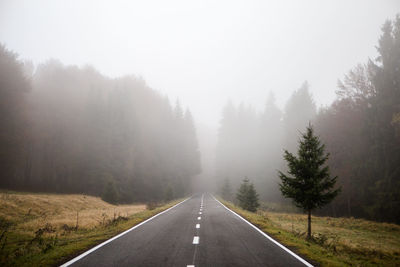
(267, 236)
(117, 236)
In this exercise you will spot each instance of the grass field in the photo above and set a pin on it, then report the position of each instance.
(48, 229)
(337, 241)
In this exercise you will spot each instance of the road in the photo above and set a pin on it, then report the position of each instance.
(197, 232)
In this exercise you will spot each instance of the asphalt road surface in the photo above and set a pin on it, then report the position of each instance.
(198, 232)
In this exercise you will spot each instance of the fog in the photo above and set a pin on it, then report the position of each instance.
(163, 98)
(204, 52)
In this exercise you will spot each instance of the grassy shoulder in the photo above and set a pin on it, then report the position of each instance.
(49, 229)
(337, 241)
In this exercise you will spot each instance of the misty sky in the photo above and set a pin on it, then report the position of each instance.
(204, 52)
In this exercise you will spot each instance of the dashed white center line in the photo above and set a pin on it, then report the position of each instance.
(196, 238)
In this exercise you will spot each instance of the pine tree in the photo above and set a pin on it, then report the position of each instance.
(247, 196)
(252, 199)
(242, 192)
(310, 185)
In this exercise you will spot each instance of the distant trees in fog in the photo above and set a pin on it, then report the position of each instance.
(226, 190)
(361, 130)
(72, 130)
(14, 89)
(251, 144)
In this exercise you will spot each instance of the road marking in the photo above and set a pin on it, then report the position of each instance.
(200, 212)
(196, 240)
(189, 265)
(117, 236)
(197, 226)
(201, 209)
(267, 236)
(199, 218)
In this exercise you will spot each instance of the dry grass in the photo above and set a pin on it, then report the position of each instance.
(31, 211)
(344, 233)
(40, 229)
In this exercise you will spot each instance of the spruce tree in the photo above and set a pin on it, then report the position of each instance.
(252, 199)
(309, 185)
(242, 192)
(247, 196)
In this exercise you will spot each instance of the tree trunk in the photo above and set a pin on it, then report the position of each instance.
(309, 225)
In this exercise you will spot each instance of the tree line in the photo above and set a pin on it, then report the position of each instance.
(251, 143)
(73, 130)
(361, 130)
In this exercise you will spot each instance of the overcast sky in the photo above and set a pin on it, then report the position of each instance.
(204, 52)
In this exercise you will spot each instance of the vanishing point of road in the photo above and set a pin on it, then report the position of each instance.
(197, 232)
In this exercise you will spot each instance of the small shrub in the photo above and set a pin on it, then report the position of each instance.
(152, 205)
(66, 228)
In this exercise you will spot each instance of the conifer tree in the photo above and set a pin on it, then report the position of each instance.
(241, 193)
(252, 198)
(247, 196)
(309, 185)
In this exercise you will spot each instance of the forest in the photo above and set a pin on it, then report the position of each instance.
(67, 129)
(361, 130)
(200, 133)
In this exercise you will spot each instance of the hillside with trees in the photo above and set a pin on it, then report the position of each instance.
(73, 130)
(251, 143)
(361, 130)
